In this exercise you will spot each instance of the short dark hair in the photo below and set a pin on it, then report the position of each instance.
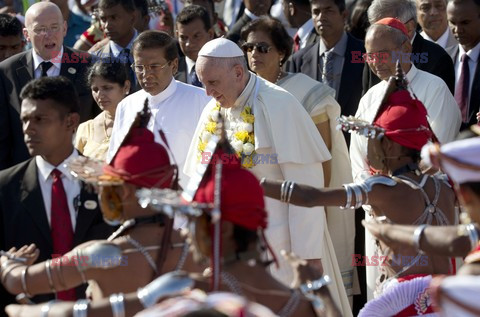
(193, 12)
(274, 28)
(10, 26)
(113, 72)
(128, 5)
(59, 89)
(243, 238)
(142, 6)
(339, 3)
(157, 39)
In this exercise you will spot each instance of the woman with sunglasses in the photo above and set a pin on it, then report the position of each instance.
(109, 84)
(267, 46)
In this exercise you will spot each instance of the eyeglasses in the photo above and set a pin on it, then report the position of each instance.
(262, 47)
(153, 67)
(45, 30)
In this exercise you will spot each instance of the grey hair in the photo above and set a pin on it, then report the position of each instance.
(397, 36)
(404, 10)
(227, 62)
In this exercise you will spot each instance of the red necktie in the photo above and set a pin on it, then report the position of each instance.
(296, 43)
(463, 84)
(61, 226)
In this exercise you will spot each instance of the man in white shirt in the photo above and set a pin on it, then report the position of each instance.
(467, 72)
(385, 38)
(40, 202)
(176, 107)
(279, 122)
(432, 17)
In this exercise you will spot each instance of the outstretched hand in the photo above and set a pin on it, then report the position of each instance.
(303, 270)
(28, 252)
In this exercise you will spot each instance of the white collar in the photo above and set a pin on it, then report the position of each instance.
(156, 100)
(56, 61)
(250, 14)
(247, 91)
(45, 168)
(413, 37)
(304, 31)
(472, 53)
(117, 49)
(190, 63)
(442, 40)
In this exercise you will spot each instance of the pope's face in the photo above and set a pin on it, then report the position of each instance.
(45, 28)
(220, 81)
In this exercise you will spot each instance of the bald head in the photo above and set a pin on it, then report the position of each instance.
(45, 29)
(385, 45)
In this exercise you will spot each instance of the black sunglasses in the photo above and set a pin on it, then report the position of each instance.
(260, 47)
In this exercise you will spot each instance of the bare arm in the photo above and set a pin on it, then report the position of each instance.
(443, 240)
(324, 128)
(307, 196)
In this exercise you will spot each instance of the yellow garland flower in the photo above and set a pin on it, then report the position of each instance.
(211, 127)
(242, 136)
(201, 146)
(247, 115)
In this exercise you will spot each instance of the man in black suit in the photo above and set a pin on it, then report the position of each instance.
(29, 191)
(426, 55)
(253, 10)
(45, 29)
(193, 30)
(329, 21)
(467, 92)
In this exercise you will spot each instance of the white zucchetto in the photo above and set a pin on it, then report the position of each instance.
(220, 47)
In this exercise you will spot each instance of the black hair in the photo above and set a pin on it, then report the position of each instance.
(112, 72)
(157, 39)
(128, 5)
(474, 187)
(142, 6)
(302, 3)
(205, 312)
(59, 89)
(339, 3)
(243, 238)
(358, 21)
(10, 26)
(193, 12)
(274, 28)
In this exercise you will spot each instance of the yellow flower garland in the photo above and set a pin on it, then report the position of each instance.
(239, 133)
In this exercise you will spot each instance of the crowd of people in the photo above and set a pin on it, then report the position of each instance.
(239, 158)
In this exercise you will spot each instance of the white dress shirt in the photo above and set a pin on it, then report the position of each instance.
(71, 185)
(443, 114)
(117, 49)
(304, 31)
(52, 71)
(442, 40)
(175, 111)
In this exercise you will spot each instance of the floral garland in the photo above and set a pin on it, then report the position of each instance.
(239, 133)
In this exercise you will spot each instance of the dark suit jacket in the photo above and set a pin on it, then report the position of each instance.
(474, 105)
(432, 59)
(23, 219)
(234, 33)
(15, 73)
(307, 60)
(182, 73)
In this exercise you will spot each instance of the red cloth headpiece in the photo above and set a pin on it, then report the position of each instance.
(142, 162)
(405, 120)
(394, 23)
(242, 200)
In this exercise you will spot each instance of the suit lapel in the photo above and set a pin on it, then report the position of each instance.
(85, 216)
(347, 80)
(474, 95)
(70, 69)
(32, 199)
(25, 71)
(181, 74)
(310, 62)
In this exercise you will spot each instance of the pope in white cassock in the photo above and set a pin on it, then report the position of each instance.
(176, 107)
(388, 37)
(278, 140)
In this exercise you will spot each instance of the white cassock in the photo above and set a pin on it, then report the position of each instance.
(175, 111)
(444, 118)
(319, 101)
(285, 132)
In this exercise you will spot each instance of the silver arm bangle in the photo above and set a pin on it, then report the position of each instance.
(80, 308)
(263, 180)
(46, 308)
(118, 307)
(79, 269)
(24, 282)
(315, 285)
(49, 275)
(472, 235)
(417, 236)
(358, 196)
(348, 191)
(282, 190)
(290, 191)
